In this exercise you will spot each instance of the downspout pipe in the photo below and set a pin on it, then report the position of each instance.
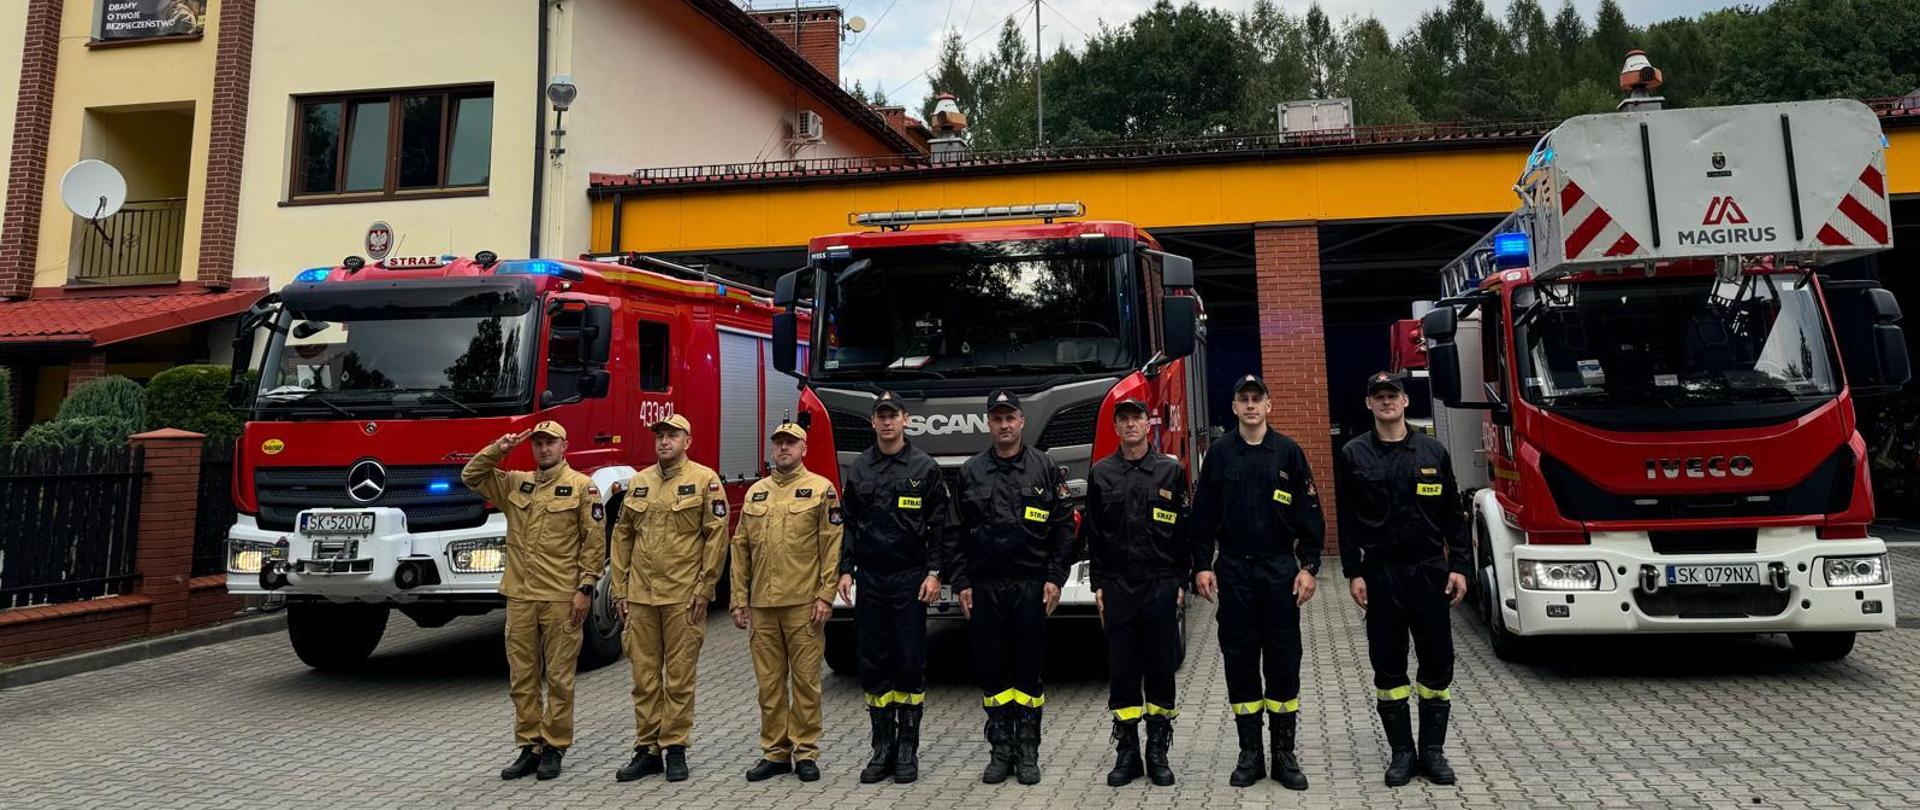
(539, 135)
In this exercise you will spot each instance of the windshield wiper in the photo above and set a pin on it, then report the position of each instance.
(441, 394)
(303, 396)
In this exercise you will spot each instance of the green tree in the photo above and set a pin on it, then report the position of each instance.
(193, 397)
(950, 75)
(1612, 37)
(1375, 79)
(1802, 49)
(1538, 74)
(1582, 97)
(1271, 54)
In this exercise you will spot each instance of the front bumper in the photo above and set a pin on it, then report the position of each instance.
(369, 574)
(1624, 605)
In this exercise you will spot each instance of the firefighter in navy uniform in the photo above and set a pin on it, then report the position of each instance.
(1008, 571)
(899, 530)
(1403, 545)
(556, 548)
(1256, 502)
(1140, 557)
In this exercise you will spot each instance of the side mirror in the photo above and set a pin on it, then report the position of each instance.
(547, 398)
(786, 342)
(1179, 315)
(1176, 272)
(308, 329)
(1873, 348)
(786, 290)
(1439, 324)
(597, 340)
(1443, 370)
(594, 384)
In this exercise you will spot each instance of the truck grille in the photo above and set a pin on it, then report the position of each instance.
(1827, 490)
(852, 433)
(1722, 602)
(1070, 425)
(285, 491)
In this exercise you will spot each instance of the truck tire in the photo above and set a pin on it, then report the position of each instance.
(1821, 646)
(1507, 645)
(600, 634)
(841, 653)
(332, 637)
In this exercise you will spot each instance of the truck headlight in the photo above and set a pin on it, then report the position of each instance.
(1848, 572)
(246, 556)
(485, 556)
(1545, 575)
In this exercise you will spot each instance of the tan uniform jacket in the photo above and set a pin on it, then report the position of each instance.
(786, 550)
(670, 536)
(556, 541)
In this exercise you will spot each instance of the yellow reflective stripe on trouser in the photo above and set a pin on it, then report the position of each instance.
(1128, 713)
(1283, 706)
(896, 698)
(1163, 711)
(1396, 693)
(1250, 707)
(1015, 696)
(1432, 694)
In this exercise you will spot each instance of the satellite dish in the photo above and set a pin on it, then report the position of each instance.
(856, 24)
(92, 189)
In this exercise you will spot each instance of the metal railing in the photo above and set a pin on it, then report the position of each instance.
(69, 523)
(214, 516)
(141, 243)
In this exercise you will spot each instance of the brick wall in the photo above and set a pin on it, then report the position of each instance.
(819, 35)
(89, 366)
(233, 67)
(27, 172)
(168, 599)
(1293, 346)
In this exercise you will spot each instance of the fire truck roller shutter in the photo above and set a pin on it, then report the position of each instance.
(782, 394)
(740, 434)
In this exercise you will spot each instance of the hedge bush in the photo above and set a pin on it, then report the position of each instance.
(6, 405)
(115, 396)
(193, 398)
(80, 431)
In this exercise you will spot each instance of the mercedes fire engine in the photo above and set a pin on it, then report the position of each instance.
(945, 306)
(378, 381)
(1648, 385)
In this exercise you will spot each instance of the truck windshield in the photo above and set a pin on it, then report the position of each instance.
(470, 353)
(1673, 343)
(974, 310)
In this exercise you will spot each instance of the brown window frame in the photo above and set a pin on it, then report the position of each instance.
(389, 190)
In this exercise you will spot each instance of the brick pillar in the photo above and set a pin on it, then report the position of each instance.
(815, 35)
(169, 498)
(27, 172)
(1293, 346)
(232, 71)
(89, 366)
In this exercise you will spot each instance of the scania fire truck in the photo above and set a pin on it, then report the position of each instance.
(945, 306)
(378, 381)
(1648, 384)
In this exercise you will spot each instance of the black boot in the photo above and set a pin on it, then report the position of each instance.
(767, 769)
(1398, 721)
(1286, 769)
(807, 770)
(523, 765)
(1027, 765)
(1159, 741)
(646, 762)
(549, 763)
(906, 757)
(1433, 739)
(676, 763)
(999, 745)
(1252, 766)
(1126, 761)
(882, 764)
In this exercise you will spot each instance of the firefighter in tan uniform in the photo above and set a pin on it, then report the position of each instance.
(556, 547)
(786, 561)
(669, 541)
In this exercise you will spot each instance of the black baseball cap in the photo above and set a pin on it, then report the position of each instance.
(1382, 379)
(1002, 399)
(888, 399)
(1129, 404)
(1249, 381)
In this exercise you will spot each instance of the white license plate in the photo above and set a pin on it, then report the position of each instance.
(336, 523)
(1713, 574)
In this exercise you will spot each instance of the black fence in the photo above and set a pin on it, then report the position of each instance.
(69, 523)
(214, 515)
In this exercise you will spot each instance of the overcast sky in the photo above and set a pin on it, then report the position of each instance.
(902, 37)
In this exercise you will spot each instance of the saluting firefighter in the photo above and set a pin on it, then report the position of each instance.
(1403, 545)
(786, 553)
(1256, 502)
(556, 547)
(900, 529)
(669, 542)
(1018, 544)
(1140, 557)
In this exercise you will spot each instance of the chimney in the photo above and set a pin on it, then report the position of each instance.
(814, 32)
(949, 125)
(908, 126)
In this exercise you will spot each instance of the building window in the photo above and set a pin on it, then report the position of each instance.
(393, 144)
(654, 345)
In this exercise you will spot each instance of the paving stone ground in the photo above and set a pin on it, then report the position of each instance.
(1646, 722)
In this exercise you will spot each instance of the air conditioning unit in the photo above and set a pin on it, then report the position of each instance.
(807, 126)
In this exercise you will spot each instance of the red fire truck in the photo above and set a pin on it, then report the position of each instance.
(379, 380)
(1648, 385)
(945, 306)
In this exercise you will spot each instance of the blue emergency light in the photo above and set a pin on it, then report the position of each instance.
(313, 276)
(1510, 249)
(440, 487)
(538, 267)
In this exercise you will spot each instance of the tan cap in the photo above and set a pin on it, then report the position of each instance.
(790, 429)
(674, 421)
(551, 428)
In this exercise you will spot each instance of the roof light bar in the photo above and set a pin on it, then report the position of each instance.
(934, 216)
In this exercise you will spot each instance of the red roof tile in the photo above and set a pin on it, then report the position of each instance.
(102, 317)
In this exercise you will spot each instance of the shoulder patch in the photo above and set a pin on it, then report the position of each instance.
(1311, 492)
(714, 485)
(803, 493)
(688, 489)
(562, 492)
(526, 486)
(759, 495)
(1429, 470)
(593, 490)
(599, 511)
(720, 509)
(1166, 493)
(831, 495)
(833, 515)
(1284, 476)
